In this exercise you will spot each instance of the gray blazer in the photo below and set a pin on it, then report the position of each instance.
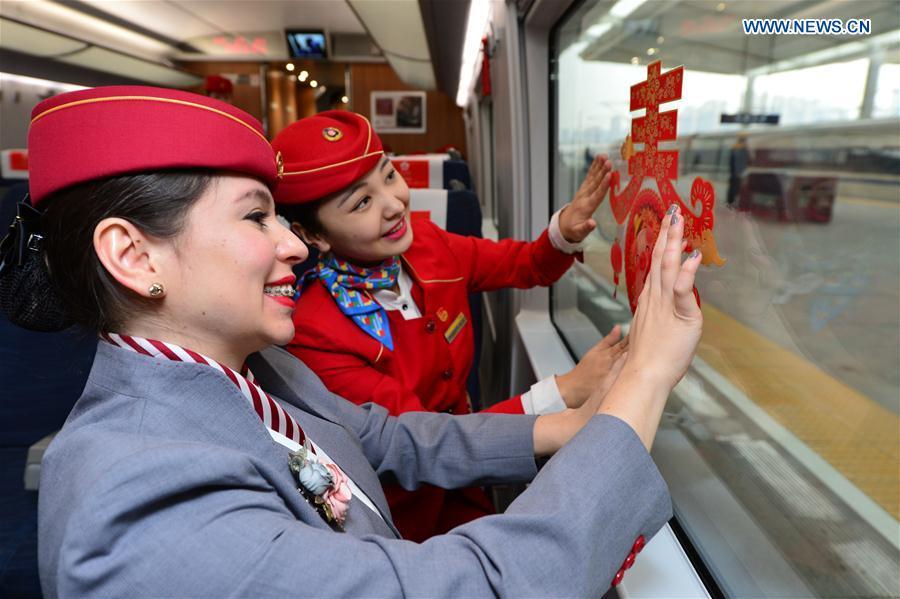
(164, 483)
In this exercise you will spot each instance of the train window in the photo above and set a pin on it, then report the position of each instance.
(790, 410)
(488, 191)
(797, 95)
(887, 95)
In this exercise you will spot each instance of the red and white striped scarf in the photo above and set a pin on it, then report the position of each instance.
(275, 418)
(268, 410)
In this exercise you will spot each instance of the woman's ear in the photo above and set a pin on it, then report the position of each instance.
(317, 241)
(128, 255)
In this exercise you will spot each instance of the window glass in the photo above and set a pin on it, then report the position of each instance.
(887, 98)
(489, 196)
(799, 96)
(782, 445)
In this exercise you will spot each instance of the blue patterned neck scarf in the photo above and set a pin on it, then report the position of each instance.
(348, 285)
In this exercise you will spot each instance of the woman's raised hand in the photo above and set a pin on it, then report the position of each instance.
(667, 324)
(576, 219)
(663, 336)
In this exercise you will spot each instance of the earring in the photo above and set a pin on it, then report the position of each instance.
(156, 290)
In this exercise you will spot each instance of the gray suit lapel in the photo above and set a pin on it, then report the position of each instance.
(304, 396)
(203, 405)
(209, 409)
(291, 380)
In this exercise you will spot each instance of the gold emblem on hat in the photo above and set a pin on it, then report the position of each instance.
(279, 164)
(332, 133)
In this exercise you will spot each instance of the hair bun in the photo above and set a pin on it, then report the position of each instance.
(28, 298)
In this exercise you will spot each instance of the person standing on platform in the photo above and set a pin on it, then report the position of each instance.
(738, 161)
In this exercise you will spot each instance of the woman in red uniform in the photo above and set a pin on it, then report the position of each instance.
(388, 318)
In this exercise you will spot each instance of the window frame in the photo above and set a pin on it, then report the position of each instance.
(730, 567)
(538, 334)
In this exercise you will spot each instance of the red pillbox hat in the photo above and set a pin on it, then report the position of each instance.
(109, 131)
(323, 154)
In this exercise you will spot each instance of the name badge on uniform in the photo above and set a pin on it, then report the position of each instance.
(455, 327)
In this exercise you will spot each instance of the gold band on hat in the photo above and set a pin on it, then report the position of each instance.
(366, 154)
(151, 99)
(327, 166)
(369, 132)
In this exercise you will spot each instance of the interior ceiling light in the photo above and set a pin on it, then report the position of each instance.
(303, 75)
(289, 66)
(314, 83)
(22, 37)
(33, 81)
(479, 18)
(599, 30)
(651, 51)
(345, 99)
(28, 39)
(617, 13)
(58, 17)
(623, 8)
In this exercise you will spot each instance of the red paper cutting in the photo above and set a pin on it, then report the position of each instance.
(641, 210)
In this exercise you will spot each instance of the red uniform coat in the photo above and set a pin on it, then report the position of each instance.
(432, 356)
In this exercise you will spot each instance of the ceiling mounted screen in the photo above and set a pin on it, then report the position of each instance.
(306, 44)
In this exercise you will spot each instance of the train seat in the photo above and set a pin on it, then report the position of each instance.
(13, 166)
(433, 171)
(457, 212)
(43, 374)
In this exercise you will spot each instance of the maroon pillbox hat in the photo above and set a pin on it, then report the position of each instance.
(109, 131)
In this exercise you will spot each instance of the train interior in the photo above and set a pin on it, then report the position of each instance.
(781, 446)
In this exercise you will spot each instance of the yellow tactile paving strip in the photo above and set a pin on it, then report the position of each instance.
(858, 437)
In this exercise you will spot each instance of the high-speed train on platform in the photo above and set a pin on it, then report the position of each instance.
(779, 446)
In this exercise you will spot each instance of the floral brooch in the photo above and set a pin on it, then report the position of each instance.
(324, 486)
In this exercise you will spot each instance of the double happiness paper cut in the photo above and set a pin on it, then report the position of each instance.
(641, 210)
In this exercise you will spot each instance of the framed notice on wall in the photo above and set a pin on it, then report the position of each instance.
(398, 112)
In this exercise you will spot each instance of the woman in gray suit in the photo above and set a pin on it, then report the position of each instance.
(201, 460)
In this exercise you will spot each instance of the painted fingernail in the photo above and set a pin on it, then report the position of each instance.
(671, 209)
(674, 218)
(695, 253)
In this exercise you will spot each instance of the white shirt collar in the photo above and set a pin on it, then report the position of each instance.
(403, 301)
